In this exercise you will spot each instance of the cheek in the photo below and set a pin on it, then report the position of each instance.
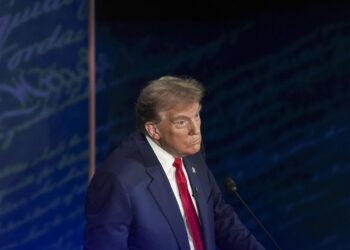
(194, 149)
(182, 142)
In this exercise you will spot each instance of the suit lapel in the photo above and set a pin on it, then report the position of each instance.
(197, 189)
(162, 193)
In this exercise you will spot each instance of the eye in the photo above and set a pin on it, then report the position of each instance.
(180, 123)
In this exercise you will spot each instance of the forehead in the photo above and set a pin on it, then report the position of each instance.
(181, 110)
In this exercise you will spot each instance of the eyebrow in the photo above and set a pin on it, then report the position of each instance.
(186, 117)
(180, 117)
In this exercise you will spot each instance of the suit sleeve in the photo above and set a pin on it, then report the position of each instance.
(230, 232)
(108, 214)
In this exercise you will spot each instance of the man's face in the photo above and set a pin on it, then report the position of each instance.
(178, 131)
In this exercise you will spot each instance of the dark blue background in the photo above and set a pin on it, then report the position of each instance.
(275, 114)
(276, 111)
(43, 123)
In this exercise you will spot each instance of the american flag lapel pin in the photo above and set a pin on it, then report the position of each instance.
(193, 169)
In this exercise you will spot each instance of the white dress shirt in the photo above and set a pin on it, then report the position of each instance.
(167, 160)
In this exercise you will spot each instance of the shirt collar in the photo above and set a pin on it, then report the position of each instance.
(165, 159)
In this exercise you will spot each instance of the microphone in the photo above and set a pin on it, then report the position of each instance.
(231, 187)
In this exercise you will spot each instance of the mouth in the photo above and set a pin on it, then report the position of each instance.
(197, 141)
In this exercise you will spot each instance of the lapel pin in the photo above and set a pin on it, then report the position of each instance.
(193, 170)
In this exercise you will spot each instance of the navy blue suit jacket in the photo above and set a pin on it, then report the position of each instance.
(130, 205)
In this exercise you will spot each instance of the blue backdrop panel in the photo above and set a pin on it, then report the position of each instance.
(275, 116)
(43, 123)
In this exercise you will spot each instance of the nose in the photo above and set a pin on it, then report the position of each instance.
(195, 127)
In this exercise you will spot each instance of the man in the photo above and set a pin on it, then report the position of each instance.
(155, 192)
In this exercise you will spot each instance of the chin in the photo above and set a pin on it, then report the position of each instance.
(195, 150)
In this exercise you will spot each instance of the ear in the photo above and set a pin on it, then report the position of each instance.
(152, 130)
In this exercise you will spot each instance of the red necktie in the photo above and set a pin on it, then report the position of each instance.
(190, 212)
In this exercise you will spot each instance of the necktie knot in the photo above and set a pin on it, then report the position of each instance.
(177, 163)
